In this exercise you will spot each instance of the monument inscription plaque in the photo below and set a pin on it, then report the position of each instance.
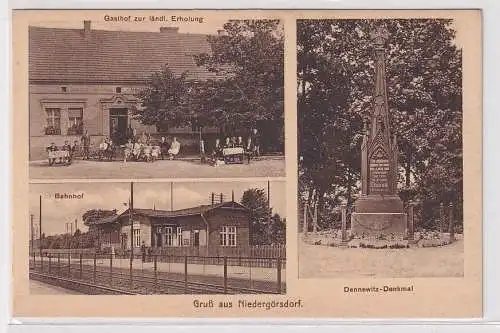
(378, 172)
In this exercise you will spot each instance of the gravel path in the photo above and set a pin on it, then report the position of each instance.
(79, 169)
(317, 261)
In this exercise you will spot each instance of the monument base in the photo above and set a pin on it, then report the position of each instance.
(379, 204)
(376, 224)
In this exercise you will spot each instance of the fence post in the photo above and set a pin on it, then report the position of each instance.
(185, 274)
(441, 217)
(81, 266)
(451, 222)
(111, 269)
(411, 229)
(156, 273)
(69, 265)
(343, 208)
(304, 226)
(58, 264)
(278, 275)
(225, 275)
(50, 263)
(95, 267)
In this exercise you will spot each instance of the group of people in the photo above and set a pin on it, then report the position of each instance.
(144, 149)
(66, 148)
(252, 145)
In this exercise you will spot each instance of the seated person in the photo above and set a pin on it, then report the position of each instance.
(74, 149)
(227, 144)
(129, 147)
(240, 143)
(137, 150)
(217, 151)
(174, 148)
(104, 144)
(66, 146)
(164, 146)
(52, 148)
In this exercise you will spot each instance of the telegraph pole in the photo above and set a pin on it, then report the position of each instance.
(40, 227)
(268, 208)
(32, 237)
(130, 208)
(171, 196)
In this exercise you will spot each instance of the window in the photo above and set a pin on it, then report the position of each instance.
(169, 236)
(64, 89)
(179, 236)
(118, 90)
(228, 236)
(53, 121)
(137, 237)
(75, 121)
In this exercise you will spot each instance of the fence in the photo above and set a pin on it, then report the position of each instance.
(261, 251)
(167, 274)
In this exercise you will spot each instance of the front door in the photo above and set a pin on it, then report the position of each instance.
(118, 120)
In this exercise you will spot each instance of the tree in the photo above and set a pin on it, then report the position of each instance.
(335, 88)
(265, 228)
(165, 101)
(277, 230)
(244, 89)
(248, 59)
(255, 200)
(95, 214)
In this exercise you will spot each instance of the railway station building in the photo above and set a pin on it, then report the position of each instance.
(220, 229)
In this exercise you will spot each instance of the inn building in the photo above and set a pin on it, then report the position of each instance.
(86, 79)
(217, 229)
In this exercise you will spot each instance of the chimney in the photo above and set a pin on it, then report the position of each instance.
(221, 197)
(86, 27)
(213, 198)
(232, 196)
(169, 29)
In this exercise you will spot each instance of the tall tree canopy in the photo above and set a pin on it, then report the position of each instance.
(246, 88)
(424, 87)
(264, 228)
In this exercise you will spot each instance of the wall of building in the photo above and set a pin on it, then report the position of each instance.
(95, 101)
(144, 226)
(240, 220)
(189, 225)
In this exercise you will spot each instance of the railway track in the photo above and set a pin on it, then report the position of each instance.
(149, 284)
(78, 285)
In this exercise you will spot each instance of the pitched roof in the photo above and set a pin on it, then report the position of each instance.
(104, 220)
(176, 213)
(68, 55)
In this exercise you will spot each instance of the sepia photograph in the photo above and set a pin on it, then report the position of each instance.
(157, 238)
(180, 100)
(380, 148)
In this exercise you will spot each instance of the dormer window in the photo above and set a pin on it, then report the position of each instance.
(64, 89)
(118, 90)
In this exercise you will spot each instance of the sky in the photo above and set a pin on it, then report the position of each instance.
(57, 212)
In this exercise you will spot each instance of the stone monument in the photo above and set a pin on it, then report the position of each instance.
(379, 210)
